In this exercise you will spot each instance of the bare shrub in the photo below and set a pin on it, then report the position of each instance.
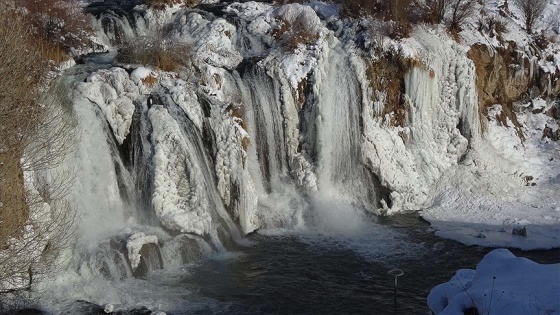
(531, 10)
(36, 136)
(60, 23)
(162, 4)
(291, 35)
(157, 52)
(453, 13)
(459, 11)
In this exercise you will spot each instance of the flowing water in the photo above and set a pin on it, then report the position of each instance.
(307, 272)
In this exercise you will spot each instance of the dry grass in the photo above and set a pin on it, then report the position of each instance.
(60, 23)
(292, 35)
(13, 209)
(162, 4)
(150, 80)
(36, 136)
(156, 52)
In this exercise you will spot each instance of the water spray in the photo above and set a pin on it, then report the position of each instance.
(395, 273)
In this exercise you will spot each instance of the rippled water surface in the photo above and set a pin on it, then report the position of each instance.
(311, 273)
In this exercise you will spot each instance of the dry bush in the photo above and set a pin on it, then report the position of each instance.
(36, 136)
(291, 35)
(453, 13)
(156, 52)
(60, 23)
(162, 4)
(532, 10)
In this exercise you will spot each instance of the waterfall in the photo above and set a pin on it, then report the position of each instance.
(101, 182)
(339, 129)
(192, 163)
(280, 202)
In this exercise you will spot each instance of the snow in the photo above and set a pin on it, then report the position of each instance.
(113, 91)
(134, 245)
(503, 184)
(211, 40)
(184, 95)
(501, 284)
(441, 93)
(180, 201)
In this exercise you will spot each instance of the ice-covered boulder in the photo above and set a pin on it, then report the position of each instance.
(501, 284)
(113, 91)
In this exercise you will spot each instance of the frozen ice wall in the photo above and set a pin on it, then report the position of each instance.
(443, 118)
(277, 126)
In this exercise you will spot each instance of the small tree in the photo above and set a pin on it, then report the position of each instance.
(451, 12)
(531, 11)
(459, 11)
(60, 23)
(36, 135)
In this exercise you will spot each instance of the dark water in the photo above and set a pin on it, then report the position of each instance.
(316, 274)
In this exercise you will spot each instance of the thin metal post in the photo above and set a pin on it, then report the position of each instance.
(395, 273)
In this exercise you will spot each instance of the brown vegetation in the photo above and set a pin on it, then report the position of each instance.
(291, 35)
(401, 15)
(36, 136)
(386, 74)
(532, 10)
(60, 24)
(156, 52)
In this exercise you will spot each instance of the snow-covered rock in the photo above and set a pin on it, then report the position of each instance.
(113, 91)
(134, 246)
(179, 199)
(442, 93)
(501, 284)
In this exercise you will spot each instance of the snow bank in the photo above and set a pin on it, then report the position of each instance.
(113, 91)
(501, 284)
(503, 184)
(211, 40)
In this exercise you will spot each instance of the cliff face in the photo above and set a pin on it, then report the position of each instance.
(506, 76)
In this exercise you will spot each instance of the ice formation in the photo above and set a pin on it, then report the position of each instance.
(274, 126)
(114, 92)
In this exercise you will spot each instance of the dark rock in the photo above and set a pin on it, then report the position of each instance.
(519, 231)
(549, 133)
(135, 311)
(85, 307)
(88, 308)
(150, 259)
(29, 311)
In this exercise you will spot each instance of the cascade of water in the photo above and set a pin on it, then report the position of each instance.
(98, 189)
(281, 204)
(340, 170)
